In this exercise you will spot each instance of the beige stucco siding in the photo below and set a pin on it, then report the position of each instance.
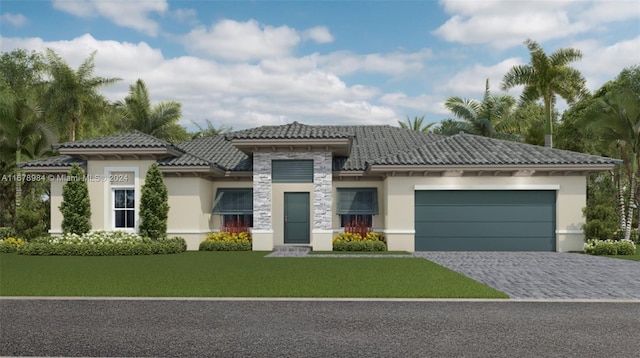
(570, 199)
(55, 200)
(190, 200)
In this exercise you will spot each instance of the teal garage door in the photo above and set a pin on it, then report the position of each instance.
(485, 220)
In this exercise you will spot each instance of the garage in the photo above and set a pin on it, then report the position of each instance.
(485, 220)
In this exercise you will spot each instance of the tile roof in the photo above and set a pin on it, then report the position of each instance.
(293, 130)
(371, 145)
(134, 139)
(57, 161)
(466, 149)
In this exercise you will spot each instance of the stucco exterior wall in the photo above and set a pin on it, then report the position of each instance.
(570, 199)
(190, 204)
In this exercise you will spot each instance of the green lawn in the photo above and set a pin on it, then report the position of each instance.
(232, 274)
(635, 257)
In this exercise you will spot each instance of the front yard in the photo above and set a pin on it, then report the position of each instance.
(232, 274)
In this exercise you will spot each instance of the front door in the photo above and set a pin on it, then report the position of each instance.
(296, 218)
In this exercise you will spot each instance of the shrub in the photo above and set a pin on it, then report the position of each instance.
(350, 241)
(618, 235)
(6, 232)
(10, 244)
(609, 247)
(32, 219)
(103, 243)
(227, 241)
(75, 206)
(154, 207)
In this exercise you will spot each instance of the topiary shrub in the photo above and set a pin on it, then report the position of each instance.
(75, 206)
(227, 241)
(154, 206)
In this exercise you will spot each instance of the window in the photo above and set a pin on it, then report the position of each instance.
(235, 206)
(356, 206)
(292, 171)
(124, 208)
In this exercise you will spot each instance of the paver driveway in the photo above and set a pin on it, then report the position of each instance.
(546, 274)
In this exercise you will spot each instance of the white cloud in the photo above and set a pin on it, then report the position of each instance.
(507, 23)
(240, 95)
(470, 81)
(16, 20)
(420, 104)
(242, 41)
(601, 63)
(395, 63)
(188, 16)
(319, 34)
(130, 14)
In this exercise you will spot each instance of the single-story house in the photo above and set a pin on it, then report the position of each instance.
(298, 184)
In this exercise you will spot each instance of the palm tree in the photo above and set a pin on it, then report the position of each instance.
(616, 117)
(490, 118)
(72, 94)
(416, 124)
(208, 130)
(545, 77)
(160, 121)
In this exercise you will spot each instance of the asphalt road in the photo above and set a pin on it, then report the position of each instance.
(165, 328)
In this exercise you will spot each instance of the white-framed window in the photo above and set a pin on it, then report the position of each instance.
(124, 208)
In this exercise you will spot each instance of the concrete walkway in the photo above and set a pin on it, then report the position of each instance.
(546, 274)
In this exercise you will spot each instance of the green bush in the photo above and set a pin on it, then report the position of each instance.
(619, 235)
(32, 219)
(209, 245)
(6, 232)
(609, 247)
(10, 244)
(359, 246)
(102, 243)
(75, 206)
(154, 207)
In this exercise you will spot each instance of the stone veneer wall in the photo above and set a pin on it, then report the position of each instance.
(321, 187)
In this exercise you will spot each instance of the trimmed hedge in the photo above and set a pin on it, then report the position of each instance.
(10, 244)
(169, 246)
(350, 241)
(359, 246)
(227, 241)
(209, 245)
(102, 243)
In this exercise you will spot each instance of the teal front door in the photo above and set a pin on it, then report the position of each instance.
(296, 218)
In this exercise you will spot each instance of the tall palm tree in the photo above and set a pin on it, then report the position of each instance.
(545, 77)
(416, 124)
(72, 93)
(492, 117)
(160, 121)
(616, 117)
(209, 130)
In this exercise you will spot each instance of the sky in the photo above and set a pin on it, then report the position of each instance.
(243, 64)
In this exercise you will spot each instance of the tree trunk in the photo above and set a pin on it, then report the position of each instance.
(621, 211)
(629, 217)
(548, 122)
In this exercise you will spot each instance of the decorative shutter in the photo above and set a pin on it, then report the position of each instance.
(357, 201)
(233, 201)
(292, 171)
